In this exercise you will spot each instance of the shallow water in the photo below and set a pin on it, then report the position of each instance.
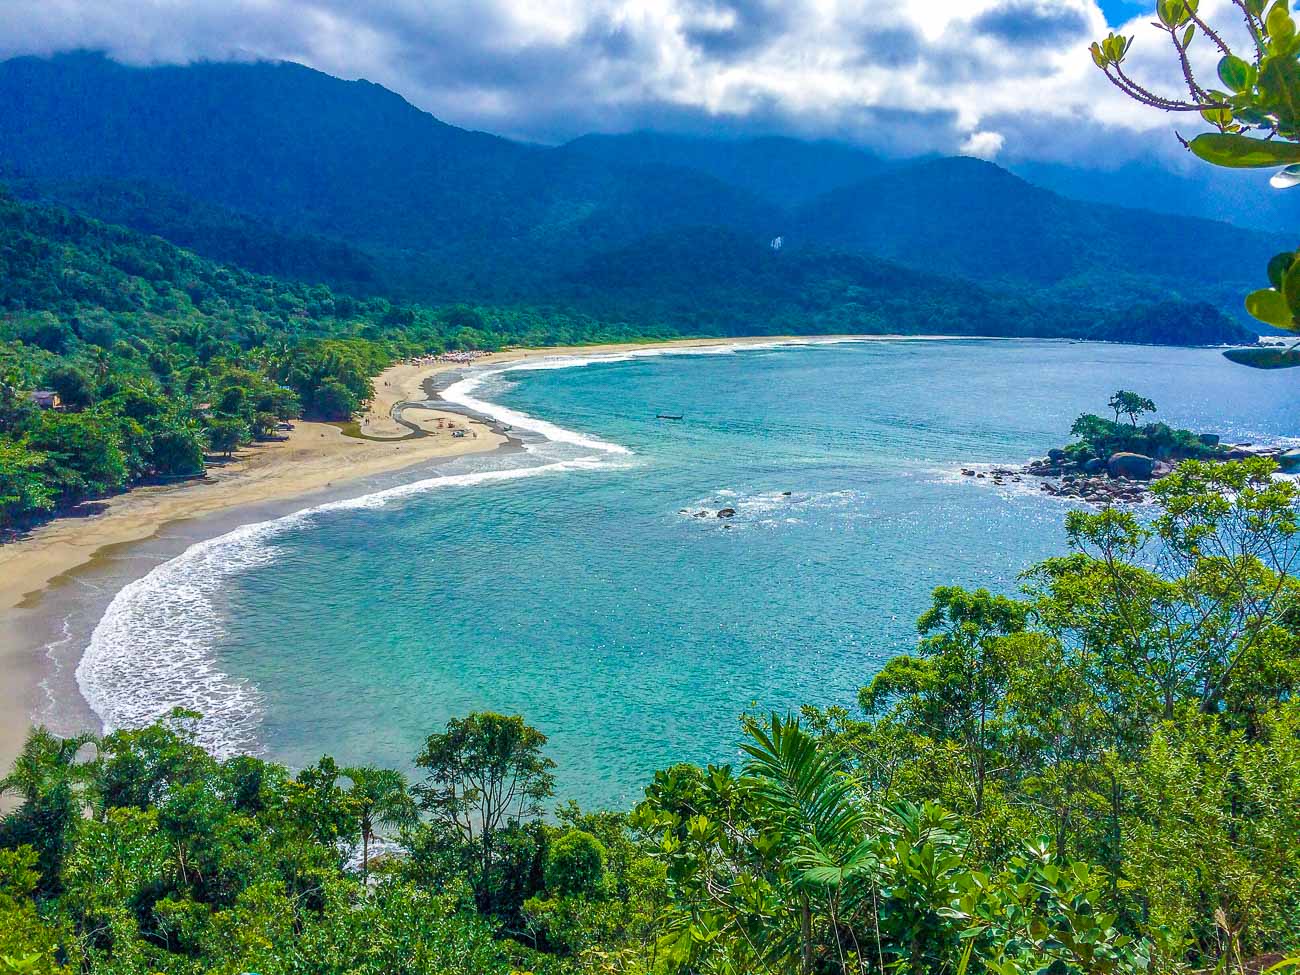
(566, 585)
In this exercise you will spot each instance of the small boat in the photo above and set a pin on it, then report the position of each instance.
(668, 416)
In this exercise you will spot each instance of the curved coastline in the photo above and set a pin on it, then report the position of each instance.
(102, 679)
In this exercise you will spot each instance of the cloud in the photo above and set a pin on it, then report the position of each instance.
(1026, 22)
(902, 75)
(983, 145)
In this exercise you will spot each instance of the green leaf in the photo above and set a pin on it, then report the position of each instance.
(1285, 178)
(1241, 152)
(1270, 307)
(1279, 87)
(1280, 26)
(1264, 357)
(1278, 265)
(1235, 73)
(1256, 7)
(1291, 289)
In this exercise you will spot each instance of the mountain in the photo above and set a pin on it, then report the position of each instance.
(285, 170)
(213, 231)
(968, 218)
(349, 160)
(1237, 196)
(786, 172)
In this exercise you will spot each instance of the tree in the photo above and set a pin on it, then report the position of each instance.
(24, 486)
(73, 387)
(84, 452)
(225, 434)
(575, 864)
(953, 688)
(177, 449)
(381, 799)
(1256, 112)
(485, 771)
(1130, 405)
(48, 778)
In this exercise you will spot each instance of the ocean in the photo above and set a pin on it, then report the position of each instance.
(576, 583)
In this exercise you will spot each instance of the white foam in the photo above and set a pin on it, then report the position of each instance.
(152, 650)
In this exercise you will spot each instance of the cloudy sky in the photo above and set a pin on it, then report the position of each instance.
(999, 78)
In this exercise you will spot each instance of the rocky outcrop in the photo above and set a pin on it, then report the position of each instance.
(1123, 478)
(1136, 467)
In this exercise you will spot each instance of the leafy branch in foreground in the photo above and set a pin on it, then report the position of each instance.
(1254, 104)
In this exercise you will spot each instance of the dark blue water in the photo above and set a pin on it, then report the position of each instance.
(633, 634)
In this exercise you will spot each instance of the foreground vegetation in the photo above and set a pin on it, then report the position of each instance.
(1100, 773)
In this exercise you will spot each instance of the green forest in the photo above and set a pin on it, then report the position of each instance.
(164, 361)
(1097, 773)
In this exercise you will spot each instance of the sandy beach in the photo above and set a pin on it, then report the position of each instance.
(312, 457)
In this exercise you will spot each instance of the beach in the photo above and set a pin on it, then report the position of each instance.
(312, 457)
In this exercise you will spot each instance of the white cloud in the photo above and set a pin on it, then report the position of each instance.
(983, 145)
(978, 76)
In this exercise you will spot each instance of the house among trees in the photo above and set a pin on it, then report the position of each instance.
(46, 399)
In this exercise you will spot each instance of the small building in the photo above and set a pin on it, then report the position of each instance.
(46, 399)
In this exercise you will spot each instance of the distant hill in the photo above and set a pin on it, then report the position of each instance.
(786, 172)
(1237, 196)
(288, 171)
(969, 218)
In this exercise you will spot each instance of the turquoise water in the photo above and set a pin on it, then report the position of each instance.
(584, 599)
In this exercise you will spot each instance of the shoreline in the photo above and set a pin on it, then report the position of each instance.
(315, 457)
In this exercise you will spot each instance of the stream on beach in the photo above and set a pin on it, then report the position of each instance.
(577, 583)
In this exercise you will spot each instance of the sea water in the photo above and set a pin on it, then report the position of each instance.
(575, 582)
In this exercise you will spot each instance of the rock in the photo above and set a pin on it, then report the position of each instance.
(726, 512)
(1162, 468)
(786, 494)
(1134, 466)
(1289, 460)
(1056, 454)
(1209, 439)
(1094, 466)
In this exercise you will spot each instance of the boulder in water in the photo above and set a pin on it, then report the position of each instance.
(727, 513)
(1136, 467)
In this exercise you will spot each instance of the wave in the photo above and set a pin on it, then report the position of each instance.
(152, 651)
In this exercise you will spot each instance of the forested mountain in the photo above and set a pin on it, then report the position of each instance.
(284, 170)
(348, 160)
(784, 171)
(969, 218)
(1237, 196)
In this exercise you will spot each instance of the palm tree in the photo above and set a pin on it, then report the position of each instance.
(381, 799)
(46, 762)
